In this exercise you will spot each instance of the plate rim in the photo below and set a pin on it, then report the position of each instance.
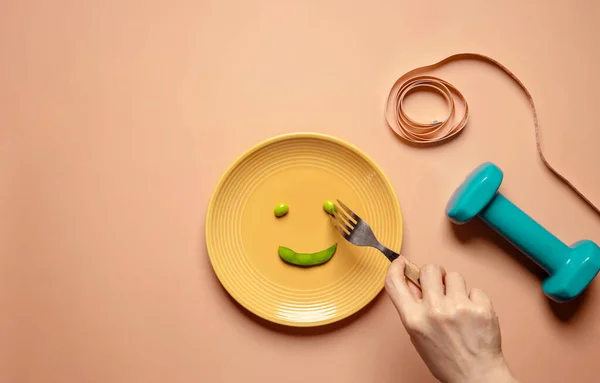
(284, 137)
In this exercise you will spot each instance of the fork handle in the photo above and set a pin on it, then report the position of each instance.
(411, 271)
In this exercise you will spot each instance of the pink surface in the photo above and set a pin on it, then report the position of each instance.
(118, 117)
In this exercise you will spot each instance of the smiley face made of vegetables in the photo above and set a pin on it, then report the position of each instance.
(305, 259)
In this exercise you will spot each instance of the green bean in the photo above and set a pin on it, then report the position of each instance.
(306, 259)
(281, 210)
(329, 207)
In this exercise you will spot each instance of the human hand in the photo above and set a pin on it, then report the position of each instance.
(456, 332)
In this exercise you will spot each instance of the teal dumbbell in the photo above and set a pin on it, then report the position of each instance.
(571, 268)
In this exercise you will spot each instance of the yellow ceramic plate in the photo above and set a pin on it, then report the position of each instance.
(243, 235)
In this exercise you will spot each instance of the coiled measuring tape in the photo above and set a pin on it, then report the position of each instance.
(427, 133)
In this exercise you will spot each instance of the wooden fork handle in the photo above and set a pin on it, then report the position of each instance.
(412, 272)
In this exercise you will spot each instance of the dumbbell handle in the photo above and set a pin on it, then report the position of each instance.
(530, 237)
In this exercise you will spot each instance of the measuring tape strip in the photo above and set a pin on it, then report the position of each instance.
(419, 133)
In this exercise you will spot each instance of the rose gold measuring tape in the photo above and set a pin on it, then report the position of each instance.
(419, 133)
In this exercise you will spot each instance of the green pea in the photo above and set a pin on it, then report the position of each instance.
(329, 207)
(306, 259)
(281, 210)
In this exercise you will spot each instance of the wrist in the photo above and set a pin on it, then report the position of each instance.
(497, 373)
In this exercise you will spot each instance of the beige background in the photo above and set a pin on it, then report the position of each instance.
(117, 118)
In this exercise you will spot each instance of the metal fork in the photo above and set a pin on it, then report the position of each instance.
(359, 233)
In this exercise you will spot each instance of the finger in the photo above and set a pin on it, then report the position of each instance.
(397, 288)
(456, 287)
(416, 291)
(432, 283)
(478, 297)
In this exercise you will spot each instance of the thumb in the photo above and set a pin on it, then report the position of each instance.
(398, 290)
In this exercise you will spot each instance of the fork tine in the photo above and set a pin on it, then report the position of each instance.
(343, 216)
(348, 212)
(342, 223)
(343, 232)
